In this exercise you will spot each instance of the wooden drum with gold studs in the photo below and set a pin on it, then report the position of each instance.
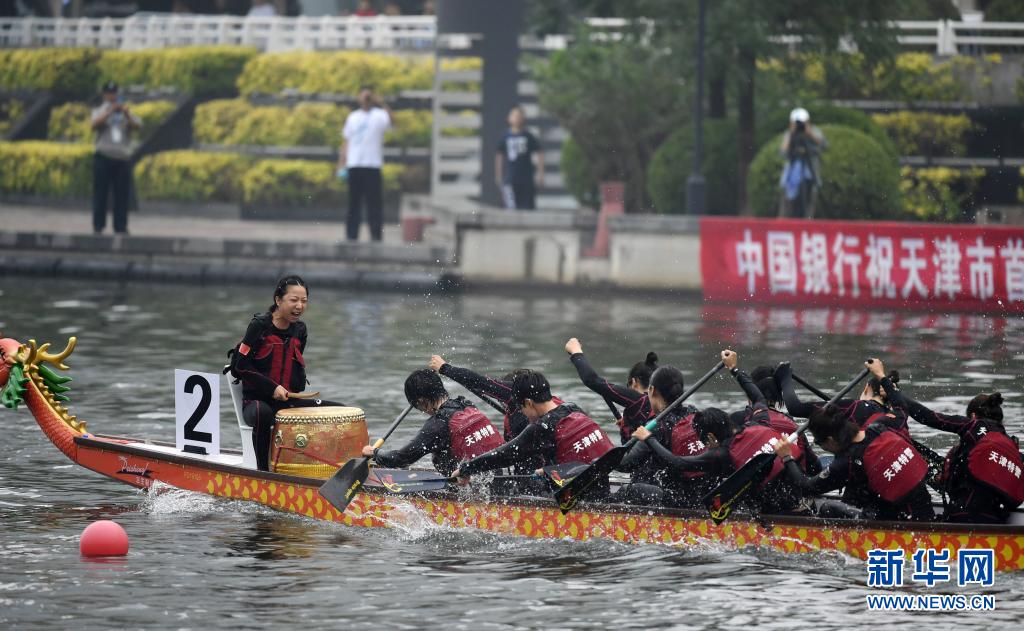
(314, 442)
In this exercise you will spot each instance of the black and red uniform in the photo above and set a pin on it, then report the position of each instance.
(883, 475)
(785, 425)
(636, 407)
(268, 357)
(457, 432)
(563, 435)
(983, 475)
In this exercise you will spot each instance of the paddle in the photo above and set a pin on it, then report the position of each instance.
(303, 395)
(935, 461)
(403, 481)
(568, 495)
(722, 498)
(344, 485)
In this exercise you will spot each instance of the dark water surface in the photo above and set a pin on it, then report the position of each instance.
(199, 562)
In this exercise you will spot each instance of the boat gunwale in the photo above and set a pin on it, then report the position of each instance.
(104, 441)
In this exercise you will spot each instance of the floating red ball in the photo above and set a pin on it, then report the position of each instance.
(102, 539)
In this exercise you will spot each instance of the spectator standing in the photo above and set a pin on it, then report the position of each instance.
(801, 147)
(360, 161)
(514, 171)
(113, 123)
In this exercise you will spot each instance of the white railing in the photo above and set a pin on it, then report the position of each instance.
(264, 33)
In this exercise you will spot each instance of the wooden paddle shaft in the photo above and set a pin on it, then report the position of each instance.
(303, 395)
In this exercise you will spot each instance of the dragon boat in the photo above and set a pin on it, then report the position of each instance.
(31, 375)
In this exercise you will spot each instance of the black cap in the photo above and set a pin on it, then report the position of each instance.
(110, 86)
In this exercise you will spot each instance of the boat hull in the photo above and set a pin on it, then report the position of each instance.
(142, 464)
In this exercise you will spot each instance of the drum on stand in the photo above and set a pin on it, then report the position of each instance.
(314, 442)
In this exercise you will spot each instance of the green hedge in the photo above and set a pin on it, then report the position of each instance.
(10, 111)
(927, 133)
(191, 176)
(579, 176)
(64, 70)
(203, 71)
(672, 163)
(236, 122)
(46, 168)
(939, 193)
(341, 72)
(73, 121)
(859, 180)
(304, 183)
(828, 114)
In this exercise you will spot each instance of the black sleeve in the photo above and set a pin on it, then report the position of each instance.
(831, 478)
(944, 422)
(477, 383)
(245, 370)
(614, 393)
(794, 405)
(749, 387)
(710, 460)
(519, 449)
(635, 458)
(303, 336)
(532, 144)
(429, 438)
(739, 417)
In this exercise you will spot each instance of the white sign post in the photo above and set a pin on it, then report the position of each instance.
(197, 412)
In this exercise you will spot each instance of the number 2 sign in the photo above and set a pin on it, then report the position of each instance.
(197, 412)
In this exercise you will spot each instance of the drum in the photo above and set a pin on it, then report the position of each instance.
(313, 442)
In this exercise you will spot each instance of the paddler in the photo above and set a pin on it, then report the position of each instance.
(456, 430)
(880, 471)
(730, 452)
(983, 475)
(633, 397)
(270, 365)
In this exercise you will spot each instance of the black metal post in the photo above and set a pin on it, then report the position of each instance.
(696, 186)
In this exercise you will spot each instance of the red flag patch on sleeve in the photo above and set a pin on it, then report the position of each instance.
(244, 349)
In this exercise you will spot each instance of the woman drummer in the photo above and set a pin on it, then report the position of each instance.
(270, 365)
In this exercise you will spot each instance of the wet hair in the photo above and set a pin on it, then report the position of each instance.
(876, 384)
(714, 422)
(667, 381)
(764, 378)
(424, 385)
(532, 385)
(511, 375)
(282, 288)
(642, 371)
(987, 406)
(831, 423)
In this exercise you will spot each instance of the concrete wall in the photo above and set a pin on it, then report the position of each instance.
(655, 252)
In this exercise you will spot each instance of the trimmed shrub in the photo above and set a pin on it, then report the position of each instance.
(673, 161)
(409, 128)
(65, 70)
(858, 178)
(828, 114)
(939, 193)
(191, 176)
(46, 168)
(203, 71)
(72, 121)
(214, 121)
(10, 111)
(927, 133)
(579, 176)
(304, 183)
(341, 72)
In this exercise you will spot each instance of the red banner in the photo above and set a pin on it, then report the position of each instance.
(863, 263)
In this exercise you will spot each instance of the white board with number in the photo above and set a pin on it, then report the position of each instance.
(197, 412)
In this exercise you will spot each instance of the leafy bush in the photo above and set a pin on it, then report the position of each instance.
(927, 133)
(203, 71)
(10, 111)
(859, 180)
(340, 72)
(1004, 11)
(46, 168)
(828, 114)
(939, 193)
(579, 176)
(672, 164)
(65, 70)
(72, 121)
(302, 183)
(191, 176)
(236, 122)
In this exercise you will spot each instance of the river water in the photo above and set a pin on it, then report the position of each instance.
(199, 562)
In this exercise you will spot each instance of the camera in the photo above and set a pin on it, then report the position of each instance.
(801, 126)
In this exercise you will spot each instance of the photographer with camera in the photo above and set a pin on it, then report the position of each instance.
(801, 146)
(113, 123)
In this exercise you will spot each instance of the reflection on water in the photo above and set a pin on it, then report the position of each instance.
(200, 562)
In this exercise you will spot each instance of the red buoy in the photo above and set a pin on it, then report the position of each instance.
(103, 538)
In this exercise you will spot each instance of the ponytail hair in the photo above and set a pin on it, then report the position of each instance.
(987, 406)
(764, 378)
(282, 289)
(667, 381)
(712, 422)
(642, 371)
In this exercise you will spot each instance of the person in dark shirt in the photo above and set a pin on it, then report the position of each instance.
(270, 365)
(514, 164)
(636, 405)
(456, 430)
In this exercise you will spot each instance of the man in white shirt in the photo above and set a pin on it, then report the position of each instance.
(361, 159)
(113, 123)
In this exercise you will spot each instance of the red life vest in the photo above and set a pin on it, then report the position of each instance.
(992, 461)
(890, 421)
(781, 422)
(471, 432)
(578, 438)
(892, 465)
(756, 438)
(507, 424)
(686, 442)
(283, 357)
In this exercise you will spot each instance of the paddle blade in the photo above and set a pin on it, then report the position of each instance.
(401, 482)
(721, 499)
(344, 484)
(571, 492)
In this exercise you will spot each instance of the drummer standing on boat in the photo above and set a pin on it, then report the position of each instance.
(270, 365)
